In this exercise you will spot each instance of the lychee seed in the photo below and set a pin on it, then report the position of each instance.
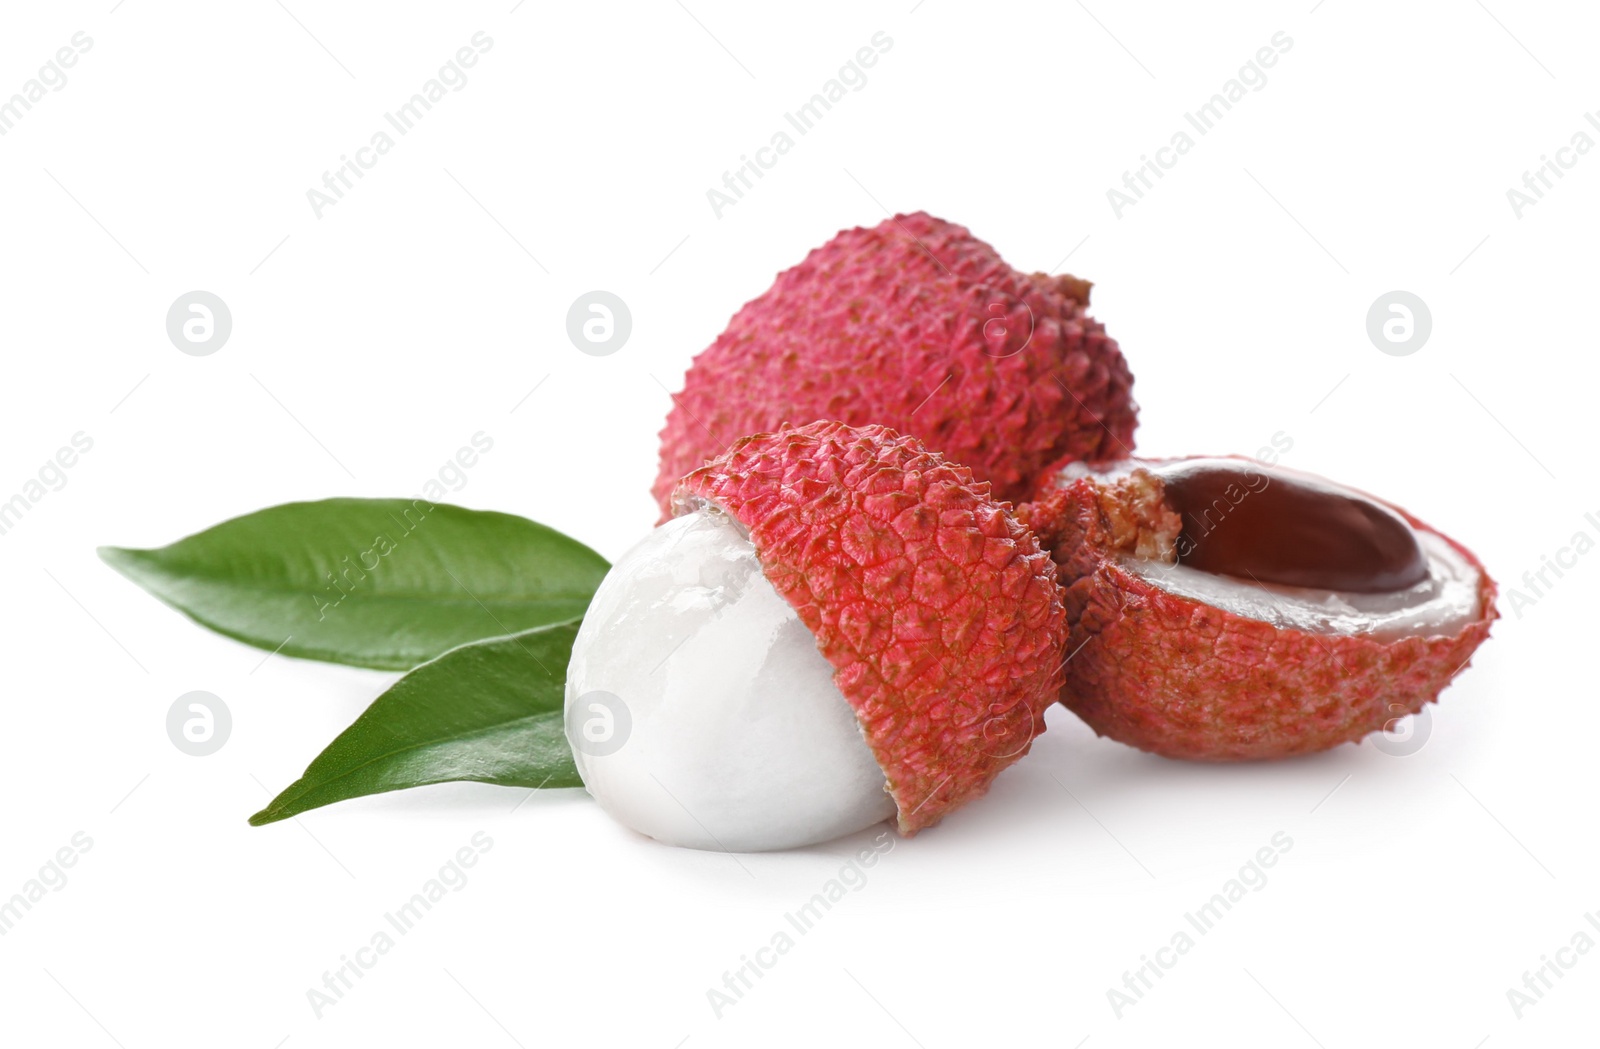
(1294, 530)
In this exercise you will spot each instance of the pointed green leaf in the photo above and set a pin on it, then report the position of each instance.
(384, 583)
(489, 711)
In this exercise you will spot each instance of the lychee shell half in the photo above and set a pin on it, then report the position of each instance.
(917, 325)
(1175, 676)
(939, 613)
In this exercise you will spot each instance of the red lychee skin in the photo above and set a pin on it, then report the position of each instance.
(1177, 677)
(917, 325)
(940, 614)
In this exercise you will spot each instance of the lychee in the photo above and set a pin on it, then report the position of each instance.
(917, 325)
(838, 627)
(1224, 609)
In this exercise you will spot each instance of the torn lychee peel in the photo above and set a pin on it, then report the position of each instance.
(937, 610)
(1215, 671)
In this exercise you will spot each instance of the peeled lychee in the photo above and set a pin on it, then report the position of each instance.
(917, 325)
(838, 627)
(1226, 610)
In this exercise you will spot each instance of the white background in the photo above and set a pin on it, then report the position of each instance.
(371, 343)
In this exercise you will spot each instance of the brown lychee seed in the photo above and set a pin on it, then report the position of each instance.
(1300, 531)
(1222, 609)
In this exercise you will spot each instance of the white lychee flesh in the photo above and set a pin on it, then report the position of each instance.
(1442, 604)
(700, 711)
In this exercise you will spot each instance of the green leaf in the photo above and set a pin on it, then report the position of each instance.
(384, 583)
(489, 711)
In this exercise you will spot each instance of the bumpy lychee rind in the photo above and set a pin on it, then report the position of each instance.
(939, 612)
(1174, 676)
(917, 325)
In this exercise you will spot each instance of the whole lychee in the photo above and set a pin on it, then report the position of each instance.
(917, 325)
(837, 628)
(1224, 609)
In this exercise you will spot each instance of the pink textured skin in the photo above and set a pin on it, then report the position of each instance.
(1176, 677)
(917, 325)
(939, 612)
